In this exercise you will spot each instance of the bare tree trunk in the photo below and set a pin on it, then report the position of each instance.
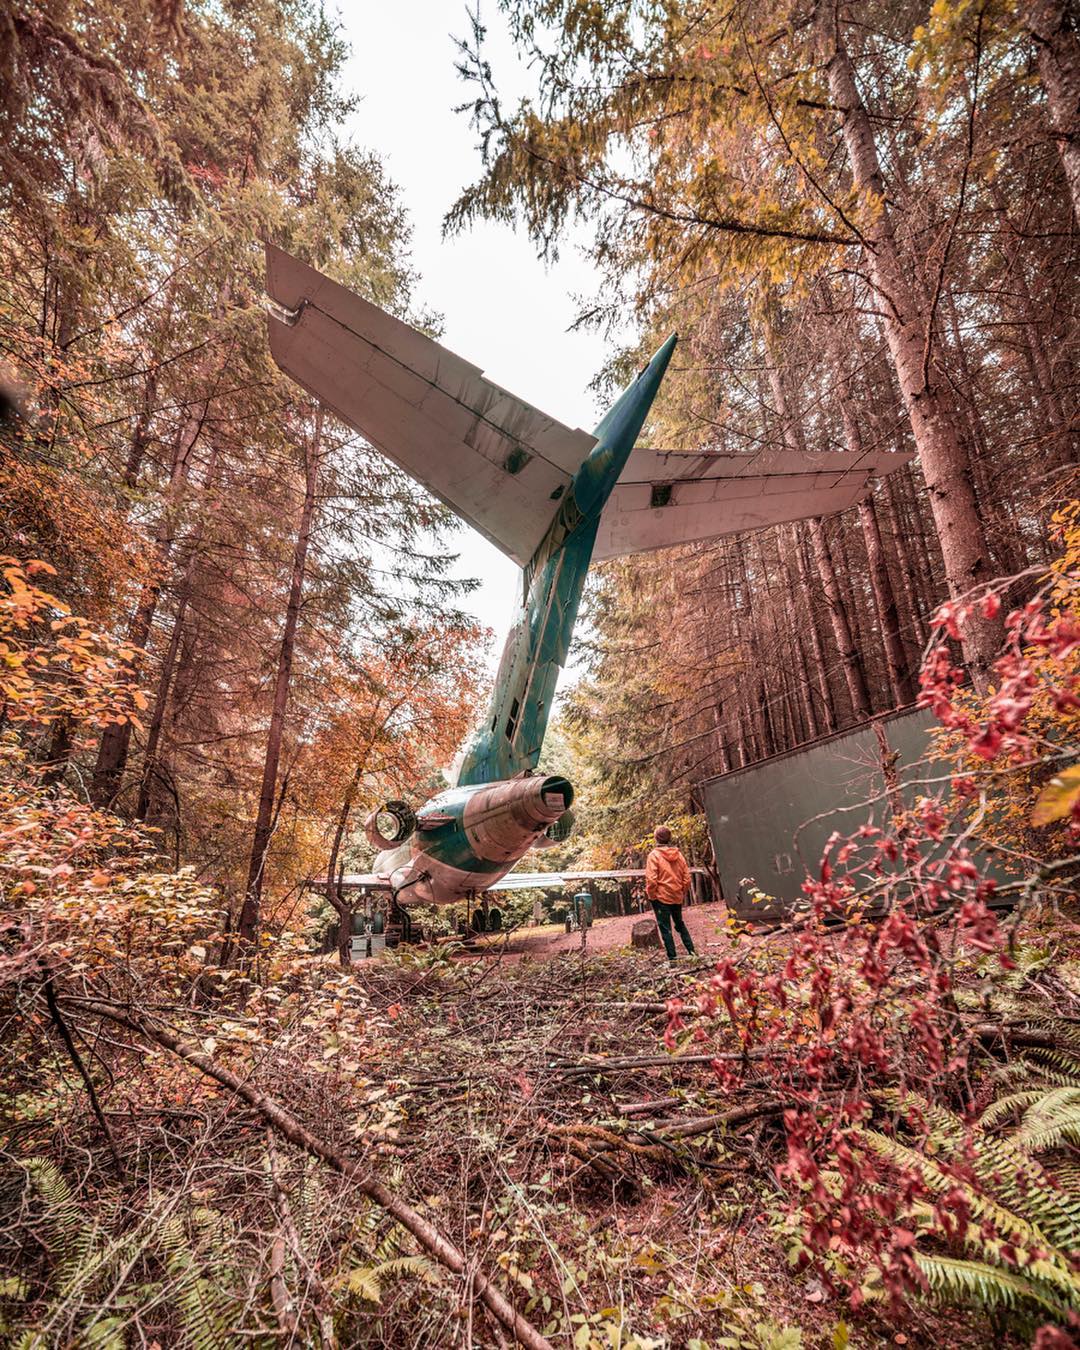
(813, 632)
(58, 752)
(248, 924)
(795, 440)
(140, 437)
(845, 645)
(1064, 443)
(799, 625)
(994, 505)
(912, 624)
(927, 578)
(157, 716)
(1055, 27)
(929, 402)
(334, 892)
(900, 682)
(116, 740)
(903, 690)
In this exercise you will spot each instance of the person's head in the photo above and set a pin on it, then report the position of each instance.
(662, 835)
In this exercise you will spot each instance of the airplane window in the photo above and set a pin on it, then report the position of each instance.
(511, 721)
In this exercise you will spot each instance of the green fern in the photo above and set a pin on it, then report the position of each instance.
(366, 1280)
(84, 1263)
(986, 1287)
(71, 1240)
(1052, 1268)
(200, 1302)
(1052, 1119)
(1033, 1213)
(1003, 1107)
(1029, 1071)
(1004, 1169)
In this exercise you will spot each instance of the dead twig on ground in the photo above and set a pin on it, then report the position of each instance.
(286, 1124)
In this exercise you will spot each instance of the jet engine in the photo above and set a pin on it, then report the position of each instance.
(390, 825)
(557, 832)
(502, 821)
(467, 838)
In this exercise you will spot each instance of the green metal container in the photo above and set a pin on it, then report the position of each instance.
(583, 903)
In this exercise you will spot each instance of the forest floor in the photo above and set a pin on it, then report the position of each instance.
(626, 1198)
(706, 924)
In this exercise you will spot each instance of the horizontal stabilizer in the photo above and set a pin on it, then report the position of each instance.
(663, 499)
(496, 461)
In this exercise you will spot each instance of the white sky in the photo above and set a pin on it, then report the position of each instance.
(502, 309)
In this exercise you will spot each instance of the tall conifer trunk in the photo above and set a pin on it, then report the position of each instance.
(903, 689)
(928, 400)
(900, 682)
(834, 602)
(813, 631)
(250, 912)
(846, 647)
(1055, 26)
(116, 740)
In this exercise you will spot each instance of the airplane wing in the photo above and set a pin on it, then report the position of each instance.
(354, 881)
(524, 881)
(521, 881)
(668, 498)
(493, 459)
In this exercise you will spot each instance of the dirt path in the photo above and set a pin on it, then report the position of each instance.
(706, 923)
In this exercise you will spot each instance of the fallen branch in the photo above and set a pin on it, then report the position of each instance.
(647, 1062)
(739, 1116)
(1017, 1035)
(646, 1108)
(83, 1072)
(287, 1125)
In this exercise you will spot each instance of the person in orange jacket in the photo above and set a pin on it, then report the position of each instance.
(667, 885)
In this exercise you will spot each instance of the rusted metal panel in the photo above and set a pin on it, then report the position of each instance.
(769, 822)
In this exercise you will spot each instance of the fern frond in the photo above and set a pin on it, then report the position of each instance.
(105, 1334)
(201, 1305)
(1060, 1061)
(1064, 1031)
(1002, 1107)
(70, 1238)
(363, 1282)
(1053, 1118)
(1004, 1169)
(419, 1266)
(1013, 1226)
(978, 1285)
(1068, 1175)
(366, 1281)
(945, 1131)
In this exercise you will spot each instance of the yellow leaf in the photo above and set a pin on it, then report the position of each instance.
(1058, 797)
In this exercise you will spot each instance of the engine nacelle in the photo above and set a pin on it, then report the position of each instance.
(502, 821)
(390, 825)
(557, 832)
(468, 837)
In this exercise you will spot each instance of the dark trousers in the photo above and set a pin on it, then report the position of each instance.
(665, 916)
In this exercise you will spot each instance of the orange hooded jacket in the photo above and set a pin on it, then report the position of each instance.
(667, 877)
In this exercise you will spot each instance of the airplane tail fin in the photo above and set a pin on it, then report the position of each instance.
(495, 460)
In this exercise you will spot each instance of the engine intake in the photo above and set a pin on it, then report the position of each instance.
(390, 825)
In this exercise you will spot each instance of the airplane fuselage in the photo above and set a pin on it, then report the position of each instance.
(471, 835)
